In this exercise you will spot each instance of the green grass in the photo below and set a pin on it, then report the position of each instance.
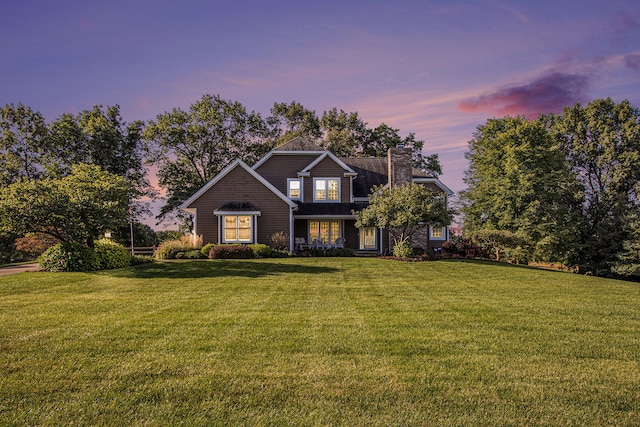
(338, 341)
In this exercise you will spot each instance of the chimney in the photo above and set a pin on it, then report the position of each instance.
(400, 169)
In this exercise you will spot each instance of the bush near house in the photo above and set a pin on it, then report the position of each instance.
(231, 252)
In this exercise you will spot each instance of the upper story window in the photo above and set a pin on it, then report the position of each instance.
(326, 189)
(294, 188)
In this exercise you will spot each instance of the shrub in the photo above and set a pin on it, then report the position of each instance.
(280, 240)
(261, 251)
(141, 259)
(111, 255)
(193, 254)
(231, 252)
(34, 244)
(402, 250)
(169, 249)
(206, 249)
(69, 256)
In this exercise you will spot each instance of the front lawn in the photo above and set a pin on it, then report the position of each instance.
(319, 341)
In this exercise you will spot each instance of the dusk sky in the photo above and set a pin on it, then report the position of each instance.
(435, 68)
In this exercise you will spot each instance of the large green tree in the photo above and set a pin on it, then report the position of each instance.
(518, 181)
(77, 207)
(602, 144)
(190, 147)
(22, 143)
(403, 210)
(101, 137)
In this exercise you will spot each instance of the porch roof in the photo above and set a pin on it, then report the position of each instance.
(328, 209)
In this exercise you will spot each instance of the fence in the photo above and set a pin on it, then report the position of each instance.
(143, 250)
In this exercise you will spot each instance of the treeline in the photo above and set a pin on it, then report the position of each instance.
(187, 148)
(562, 188)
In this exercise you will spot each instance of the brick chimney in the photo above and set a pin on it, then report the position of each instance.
(399, 161)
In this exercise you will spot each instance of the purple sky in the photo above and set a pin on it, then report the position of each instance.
(435, 68)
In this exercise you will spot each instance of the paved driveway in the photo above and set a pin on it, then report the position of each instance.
(13, 269)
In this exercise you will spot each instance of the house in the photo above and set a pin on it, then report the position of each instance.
(309, 194)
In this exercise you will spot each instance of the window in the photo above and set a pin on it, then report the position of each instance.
(294, 188)
(237, 229)
(324, 231)
(368, 238)
(326, 189)
(437, 233)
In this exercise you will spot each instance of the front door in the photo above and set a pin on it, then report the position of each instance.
(367, 238)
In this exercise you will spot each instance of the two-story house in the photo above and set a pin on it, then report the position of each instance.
(308, 193)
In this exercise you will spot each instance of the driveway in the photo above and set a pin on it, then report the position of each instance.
(13, 269)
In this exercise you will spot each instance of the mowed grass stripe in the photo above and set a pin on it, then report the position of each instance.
(319, 341)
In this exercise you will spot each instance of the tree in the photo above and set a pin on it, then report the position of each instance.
(518, 181)
(499, 241)
(191, 147)
(403, 210)
(99, 137)
(22, 143)
(343, 132)
(75, 208)
(628, 263)
(290, 120)
(602, 144)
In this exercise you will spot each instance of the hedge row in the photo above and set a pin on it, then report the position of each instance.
(105, 255)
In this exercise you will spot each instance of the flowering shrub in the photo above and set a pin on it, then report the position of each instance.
(231, 252)
(69, 256)
(111, 255)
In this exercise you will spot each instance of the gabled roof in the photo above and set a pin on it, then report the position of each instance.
(224, 172)
(343, 165)
(299, 144)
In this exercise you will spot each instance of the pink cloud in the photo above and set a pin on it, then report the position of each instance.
(548, 93)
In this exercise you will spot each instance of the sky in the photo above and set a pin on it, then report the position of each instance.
(438, 69)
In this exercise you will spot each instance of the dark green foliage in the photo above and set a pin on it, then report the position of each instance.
(69, 256)
(231, 252)
(111, 255)
(141, 259)
(602, 144)
(261, 251)
(463, 248)
(190, 254)
(518, 181)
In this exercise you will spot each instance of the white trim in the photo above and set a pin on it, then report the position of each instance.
(286, 153)
(253, 225)
(435, 181)
(224, 172)
(195, 225)
(252, 213)
(301, 181)
(343, 165)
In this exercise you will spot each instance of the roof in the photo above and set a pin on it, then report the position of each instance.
(329, 209)
(238, 206)
(224, 172)
(299, 144)
(371, 171)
